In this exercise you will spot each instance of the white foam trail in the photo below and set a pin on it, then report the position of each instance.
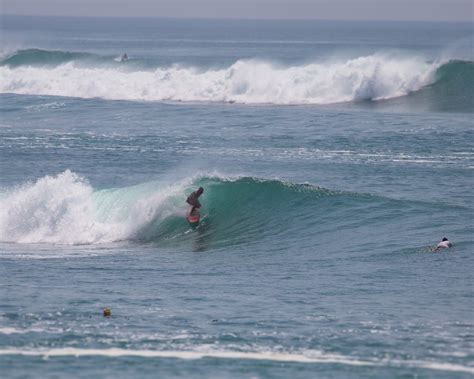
(317, 357)
(309, 356)
(7, 330)
(65, 209)
(440, 366)
(246, 81)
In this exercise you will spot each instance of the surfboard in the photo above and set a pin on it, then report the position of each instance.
(193, 218)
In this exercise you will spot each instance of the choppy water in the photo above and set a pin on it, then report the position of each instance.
(333, 156)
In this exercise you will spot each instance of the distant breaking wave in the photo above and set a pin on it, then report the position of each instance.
(38, 57)
(374, 77)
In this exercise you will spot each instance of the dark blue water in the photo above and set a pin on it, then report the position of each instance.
(334, 156)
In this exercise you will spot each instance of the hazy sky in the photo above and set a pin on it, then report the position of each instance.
(448, 10)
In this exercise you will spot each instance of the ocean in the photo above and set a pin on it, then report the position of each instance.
(333, 157)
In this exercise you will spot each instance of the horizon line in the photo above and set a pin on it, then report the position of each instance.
(227, 18)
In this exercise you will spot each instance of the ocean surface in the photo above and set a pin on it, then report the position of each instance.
(333, 156)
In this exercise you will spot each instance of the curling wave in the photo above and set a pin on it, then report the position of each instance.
(39, 57)
(373, 77)
(65, 209)
(452, 89)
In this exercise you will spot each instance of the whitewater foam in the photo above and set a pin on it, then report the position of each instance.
(312, 357)
(9, 330)
(65, 209)
(308, 357)
(371, 77)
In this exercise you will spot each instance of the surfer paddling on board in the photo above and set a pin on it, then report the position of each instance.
(444, 244)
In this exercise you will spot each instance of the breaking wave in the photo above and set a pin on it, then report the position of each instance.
(38, 57)
(373, 77)
(66, 209)
(452, 89)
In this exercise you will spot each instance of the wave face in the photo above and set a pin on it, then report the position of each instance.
(373, 77)
(65, 209)
(453, 88)
(38, 57)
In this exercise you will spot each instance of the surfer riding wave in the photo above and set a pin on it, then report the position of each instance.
(193, 215)
(193, 200)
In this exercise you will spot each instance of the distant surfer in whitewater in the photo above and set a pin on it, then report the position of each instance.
(444, 244)
(124, 57)
(193, 199)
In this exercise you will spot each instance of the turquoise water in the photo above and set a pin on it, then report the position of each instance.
(333, 156)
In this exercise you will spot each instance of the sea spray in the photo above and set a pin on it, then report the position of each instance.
(65, 209)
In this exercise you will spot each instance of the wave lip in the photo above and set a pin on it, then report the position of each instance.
(372, 77)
